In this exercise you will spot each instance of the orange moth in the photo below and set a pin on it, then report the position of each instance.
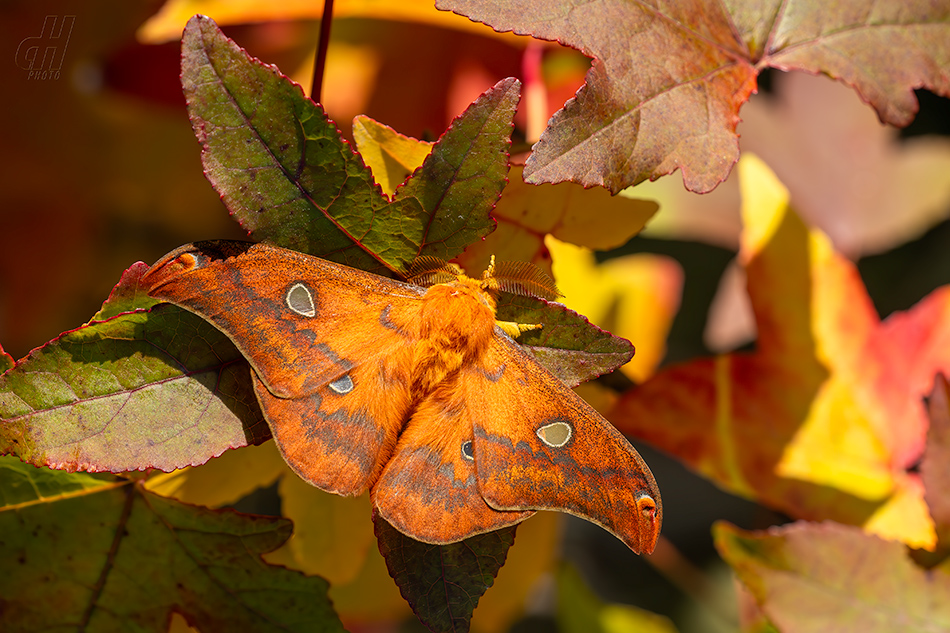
(414, 391)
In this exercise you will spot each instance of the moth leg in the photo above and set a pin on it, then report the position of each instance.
(514, 329)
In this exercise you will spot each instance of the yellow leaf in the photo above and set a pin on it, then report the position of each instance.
(764, 204)
(836, 446)
(634, 296)
(824, 419)
(222, 480)
(586, 217)
(332, 534)
(905, 517)
(391, 155)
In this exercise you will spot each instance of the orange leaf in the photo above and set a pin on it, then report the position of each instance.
(825, 419)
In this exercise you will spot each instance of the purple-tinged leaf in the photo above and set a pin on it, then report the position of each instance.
(668, 78)
(569, 346)
(443, 583)
(828, 577)
(281, 166)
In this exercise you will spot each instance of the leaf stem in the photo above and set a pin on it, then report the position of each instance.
(320, 62)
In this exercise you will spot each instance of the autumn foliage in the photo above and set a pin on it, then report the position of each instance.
(139, 488)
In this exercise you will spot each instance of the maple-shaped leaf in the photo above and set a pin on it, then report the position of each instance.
(824, 420)
(158, 388)
(830, 577)
(668, 78)
(101, 553)
(443, 583)
(286, 173)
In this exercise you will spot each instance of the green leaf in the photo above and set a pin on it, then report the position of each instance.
(160, 389)
(830, 577)
(463, 176)
(6, 361)
(106, 555)
(285, 172)
(22, 485)
(280, 164)
(569, 346)
(668, 78)
(443, 583)
(127, 295)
